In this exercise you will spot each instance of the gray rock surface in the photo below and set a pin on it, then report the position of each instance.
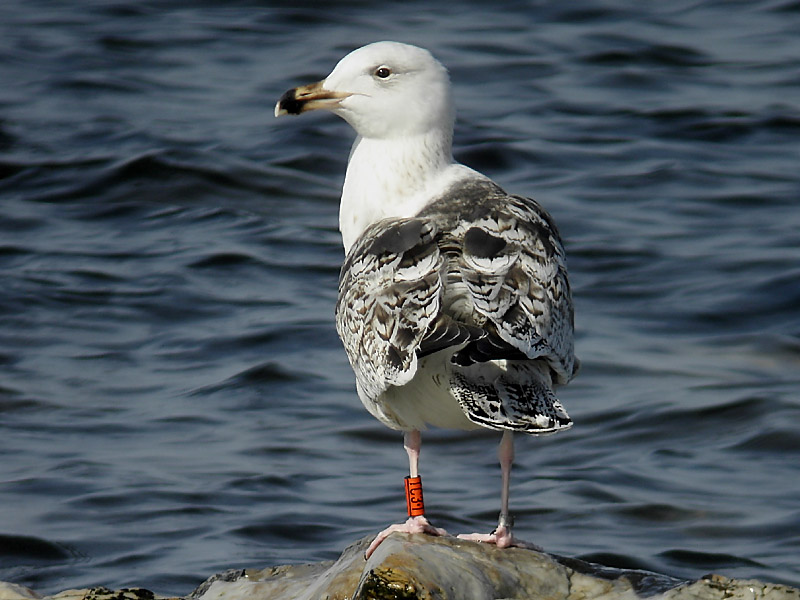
(426, 568)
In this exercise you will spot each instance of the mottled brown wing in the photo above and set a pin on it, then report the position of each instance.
(506, 273)
(389, 298)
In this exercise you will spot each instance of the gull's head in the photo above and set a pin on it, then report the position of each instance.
(384, 90)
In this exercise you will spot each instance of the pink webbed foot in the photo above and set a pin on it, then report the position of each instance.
(500, 537)
(413, 525)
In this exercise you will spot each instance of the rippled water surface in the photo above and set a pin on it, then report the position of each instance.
(174, 400)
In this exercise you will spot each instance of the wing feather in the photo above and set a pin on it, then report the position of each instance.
(478, 270)
(389, 296)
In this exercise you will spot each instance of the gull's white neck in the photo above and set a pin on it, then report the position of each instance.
(394, 178)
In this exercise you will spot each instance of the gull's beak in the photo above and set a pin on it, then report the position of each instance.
(308, 97)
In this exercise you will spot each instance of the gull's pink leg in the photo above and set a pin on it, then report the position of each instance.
(412, 442)
(501, 536)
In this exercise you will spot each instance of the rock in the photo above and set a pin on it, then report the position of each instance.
(420, 567)
(12, 591)
(426, 568)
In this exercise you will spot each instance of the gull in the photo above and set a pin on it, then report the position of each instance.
(454, 303)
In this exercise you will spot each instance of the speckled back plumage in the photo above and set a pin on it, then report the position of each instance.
(478, 275)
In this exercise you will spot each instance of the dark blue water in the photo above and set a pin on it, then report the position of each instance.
(174, 400)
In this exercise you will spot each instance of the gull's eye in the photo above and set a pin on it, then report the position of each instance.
(382, 72)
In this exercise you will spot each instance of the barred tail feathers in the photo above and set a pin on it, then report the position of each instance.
(509, 395)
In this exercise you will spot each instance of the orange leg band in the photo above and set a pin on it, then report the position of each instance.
(414, 503)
